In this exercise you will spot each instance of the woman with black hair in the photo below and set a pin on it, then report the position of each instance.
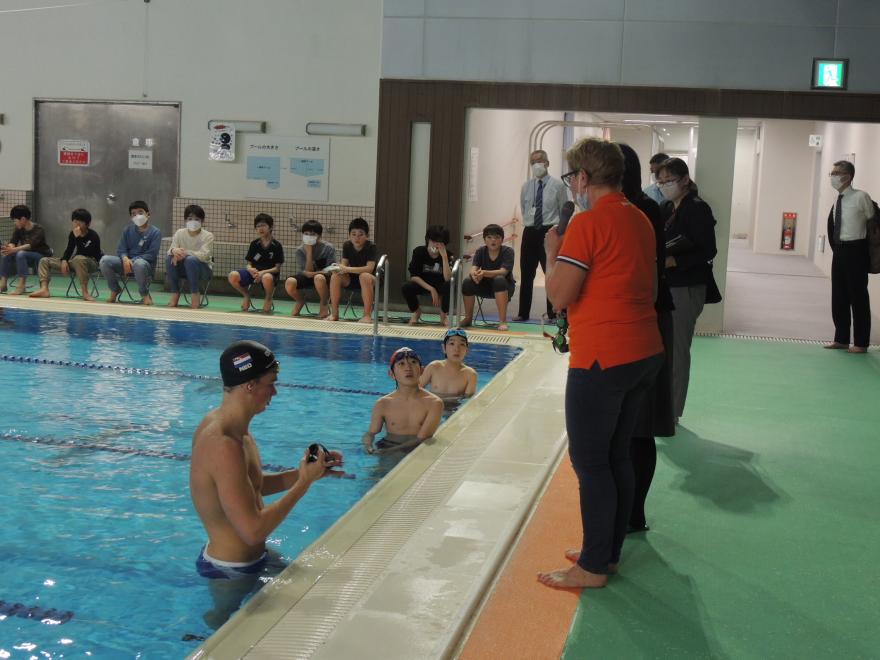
(656, 416)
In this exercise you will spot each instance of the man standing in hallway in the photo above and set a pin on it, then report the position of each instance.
(653, 191)
(847, 231)
(541, 198)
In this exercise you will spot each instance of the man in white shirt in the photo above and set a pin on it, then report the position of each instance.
(541, 199)
(847, 231)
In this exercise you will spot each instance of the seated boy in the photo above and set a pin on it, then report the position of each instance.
(264, 258)
(409, 414)
(136, 254)
(312, 257)
(189, 256)
(451, 379)
(430, 274)
(491, 276)
(83, 253)
(356, 270)
(24, 250)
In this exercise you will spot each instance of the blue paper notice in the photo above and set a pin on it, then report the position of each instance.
(314, 183)
(307, 166)
(265, 168)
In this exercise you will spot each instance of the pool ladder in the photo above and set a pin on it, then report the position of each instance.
(381, 276)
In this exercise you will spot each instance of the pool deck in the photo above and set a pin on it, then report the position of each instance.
(404, 572)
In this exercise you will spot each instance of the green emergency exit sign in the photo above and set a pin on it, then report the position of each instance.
(829, 73)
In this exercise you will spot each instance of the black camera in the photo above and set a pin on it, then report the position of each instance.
(313, 451)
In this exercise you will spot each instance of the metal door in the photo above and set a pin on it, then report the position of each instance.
(113, 153)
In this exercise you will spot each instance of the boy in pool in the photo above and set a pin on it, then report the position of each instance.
(451, 379)
(410, 414)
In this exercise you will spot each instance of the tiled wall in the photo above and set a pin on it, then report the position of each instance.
(10, 198)
(232, 223)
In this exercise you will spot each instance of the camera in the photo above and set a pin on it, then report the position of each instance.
(313, 451)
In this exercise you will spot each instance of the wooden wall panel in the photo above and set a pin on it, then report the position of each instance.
(445, 103)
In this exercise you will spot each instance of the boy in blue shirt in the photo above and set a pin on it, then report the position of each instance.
(136, 254)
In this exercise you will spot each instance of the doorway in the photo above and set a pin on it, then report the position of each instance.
(101, 156)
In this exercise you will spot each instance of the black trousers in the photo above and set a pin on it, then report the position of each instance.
(411, 292)
(531, 254)
(601, 410)
(850, 305)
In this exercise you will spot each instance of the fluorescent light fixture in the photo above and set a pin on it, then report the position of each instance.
(241, 125)
(346, 130)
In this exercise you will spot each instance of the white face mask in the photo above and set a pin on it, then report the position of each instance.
(140, 219)
(309, 239)
(836, 183)
(193, 225)
(669, 189)
(538, 170)
(432, 250)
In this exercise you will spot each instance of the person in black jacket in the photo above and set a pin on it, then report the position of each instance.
(690, 248)
(430, 274)
(83, 253)
(656, 417)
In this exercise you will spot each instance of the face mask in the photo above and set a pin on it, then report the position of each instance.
(309, 239)
(140, 220)
(582, 201)
(836, 183)
(193, 225)
(538, 170)
(669, 190)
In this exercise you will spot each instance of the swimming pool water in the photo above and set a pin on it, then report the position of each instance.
(96, 422)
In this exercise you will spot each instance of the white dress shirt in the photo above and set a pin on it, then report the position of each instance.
(856, 208)
(554, 196)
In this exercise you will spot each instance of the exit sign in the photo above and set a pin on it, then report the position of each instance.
(829, 73)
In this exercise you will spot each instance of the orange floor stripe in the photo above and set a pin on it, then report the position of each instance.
(523, 618)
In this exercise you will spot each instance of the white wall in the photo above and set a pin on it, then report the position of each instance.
(747, 44)
(744, 182)
(785, 180)
(840, 141)
(287, 62)
(502, 136)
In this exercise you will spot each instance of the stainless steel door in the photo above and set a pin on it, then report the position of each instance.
(113, 177)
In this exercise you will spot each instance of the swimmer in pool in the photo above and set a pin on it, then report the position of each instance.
(451, 379)
(409, 414)
(227, 483)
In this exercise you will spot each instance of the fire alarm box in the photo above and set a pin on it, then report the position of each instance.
(789, 226)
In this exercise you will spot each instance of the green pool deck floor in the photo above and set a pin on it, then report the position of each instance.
(764, 539)
(283, 304)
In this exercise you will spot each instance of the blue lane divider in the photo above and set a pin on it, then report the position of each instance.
(49, 616)
(170, 373)
(76, 443)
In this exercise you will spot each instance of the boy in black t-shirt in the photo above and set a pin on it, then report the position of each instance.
(491, 276)
(430, 274)
(356, 270)
(264, 258)
(82, 254)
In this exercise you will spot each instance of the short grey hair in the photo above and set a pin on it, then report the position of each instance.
(847, 167)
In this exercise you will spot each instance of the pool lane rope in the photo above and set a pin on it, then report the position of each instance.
(78, 443)
(49, 616)
(169, 373)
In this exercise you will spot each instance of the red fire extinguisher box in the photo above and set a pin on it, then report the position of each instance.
(789, 226)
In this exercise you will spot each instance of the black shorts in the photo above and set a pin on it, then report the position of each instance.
(303, 282)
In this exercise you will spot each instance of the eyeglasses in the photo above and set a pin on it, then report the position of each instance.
(668, 182)
(568, 176)
(833, 173)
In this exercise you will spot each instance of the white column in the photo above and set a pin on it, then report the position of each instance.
(418, 185)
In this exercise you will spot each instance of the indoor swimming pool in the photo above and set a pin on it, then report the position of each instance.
(99, 534)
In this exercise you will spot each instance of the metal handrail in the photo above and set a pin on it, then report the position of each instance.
(381, 270)
(454, 294)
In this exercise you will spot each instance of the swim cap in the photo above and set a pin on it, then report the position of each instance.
(455, 332)
(401, 354)
(244, 361)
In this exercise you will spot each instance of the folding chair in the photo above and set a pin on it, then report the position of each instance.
(74, 285)
(204, 285)
(481, 316)
(14, 278)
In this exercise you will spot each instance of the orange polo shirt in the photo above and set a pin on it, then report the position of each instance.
(613, 319)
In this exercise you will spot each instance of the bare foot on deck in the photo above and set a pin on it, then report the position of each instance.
(40, 293)
(88, 298)
(573, 578)
(414, 319)
(466, 322)
(174, 300)
(245, 304)
(502, 327)
(267, 307)
(147, 299)
(323, 312)
(365, 319)
(574, 554)
(112, 296)
(297, 308)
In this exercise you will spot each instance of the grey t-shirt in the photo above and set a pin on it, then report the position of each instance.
(323, 253)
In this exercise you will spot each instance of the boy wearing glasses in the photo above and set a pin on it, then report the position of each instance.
(410, 414)
(264, 258)
(451, 379)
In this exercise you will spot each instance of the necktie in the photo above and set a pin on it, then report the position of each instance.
(838, 218)
(539, 205)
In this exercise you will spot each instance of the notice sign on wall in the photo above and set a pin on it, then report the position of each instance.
(287, 167)
(74, 153)
(140, 159)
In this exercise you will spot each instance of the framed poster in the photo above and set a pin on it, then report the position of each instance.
(287, 167)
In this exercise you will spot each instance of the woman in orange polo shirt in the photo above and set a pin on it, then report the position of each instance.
(604, 274)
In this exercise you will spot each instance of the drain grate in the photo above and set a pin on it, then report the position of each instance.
(786, 340)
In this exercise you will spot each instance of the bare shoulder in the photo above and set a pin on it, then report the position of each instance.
(213, 445)
(430, 399)
(470, 371)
